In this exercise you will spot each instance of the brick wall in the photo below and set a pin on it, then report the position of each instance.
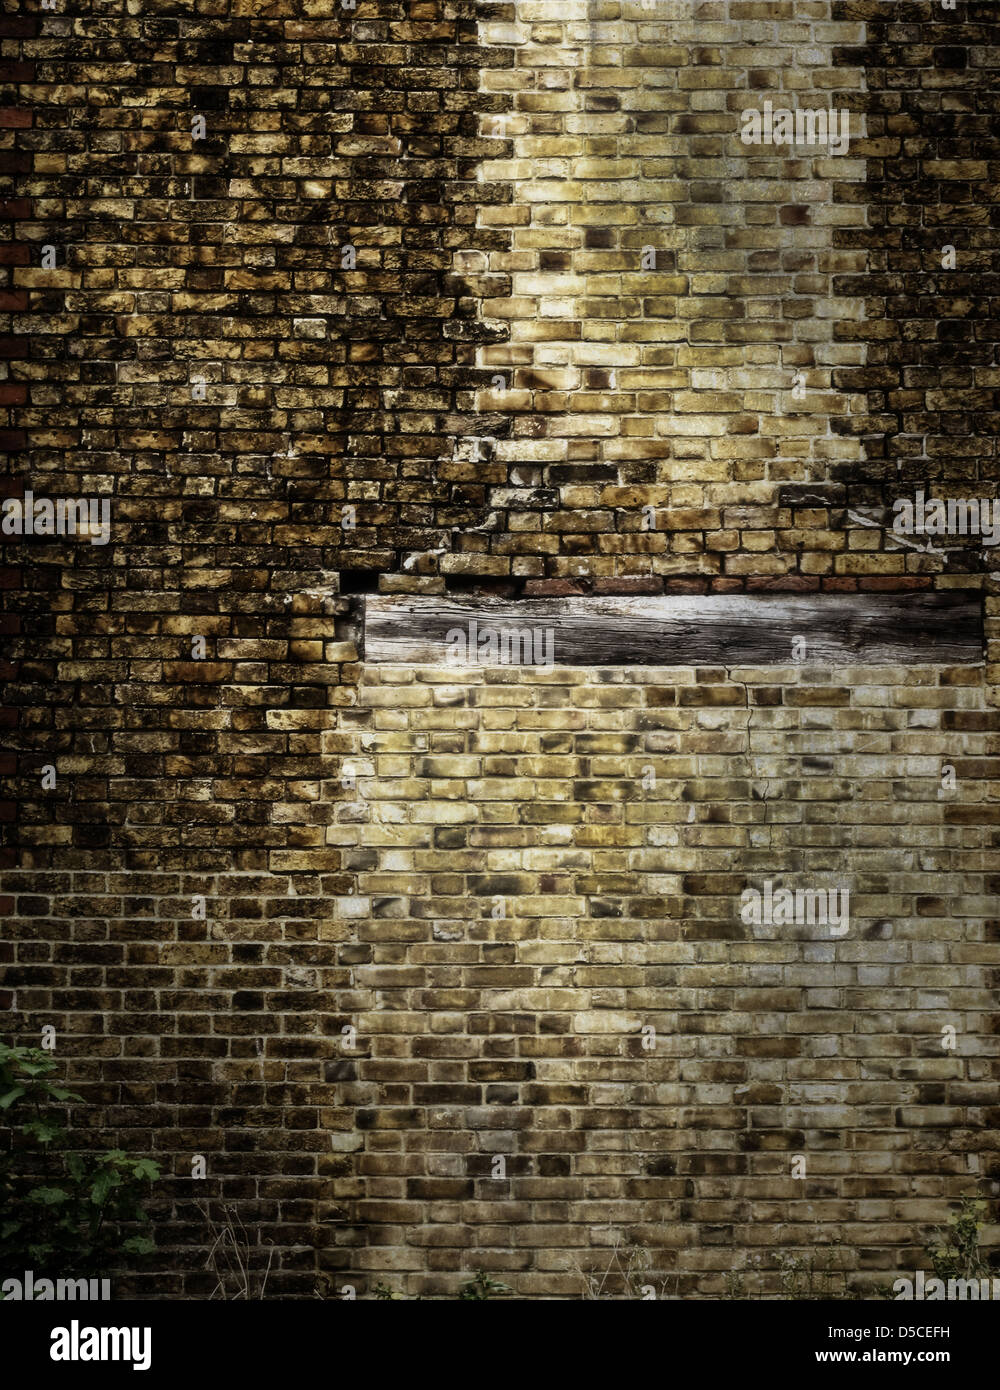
(203, 355)
(671, 288)
(521, 1036)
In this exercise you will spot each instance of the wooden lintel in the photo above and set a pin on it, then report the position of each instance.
(730, 629)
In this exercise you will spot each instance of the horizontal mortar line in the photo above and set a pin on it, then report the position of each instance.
(741, 631)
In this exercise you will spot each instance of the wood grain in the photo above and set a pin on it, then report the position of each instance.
(731, 629)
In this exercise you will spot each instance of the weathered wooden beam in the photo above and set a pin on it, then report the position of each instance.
(731, 629)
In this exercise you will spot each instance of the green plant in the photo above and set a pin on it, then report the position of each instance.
(822, 1275)
(61, 1210)
(482, 1287)
(384, 1292)
(958, 1255)
(810, 1276)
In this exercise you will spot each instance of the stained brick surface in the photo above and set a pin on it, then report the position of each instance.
(280, 426)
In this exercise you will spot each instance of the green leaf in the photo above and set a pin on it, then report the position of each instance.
(139, 1245)
(146, 1168)
(9, 1097)
(41, 1068)
(103, 1185)
(42, 1130)
(48, 1196)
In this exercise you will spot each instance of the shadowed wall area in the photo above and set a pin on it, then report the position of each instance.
(450, 967)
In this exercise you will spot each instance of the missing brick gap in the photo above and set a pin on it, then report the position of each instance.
(359, 581)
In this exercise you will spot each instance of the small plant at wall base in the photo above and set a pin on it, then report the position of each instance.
(955, 1254)
(61, 1211)
(385, 1293)
(626, 1276)
(479, 1288)
(233, 1256)
(958, 1254)
(483, 1287)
